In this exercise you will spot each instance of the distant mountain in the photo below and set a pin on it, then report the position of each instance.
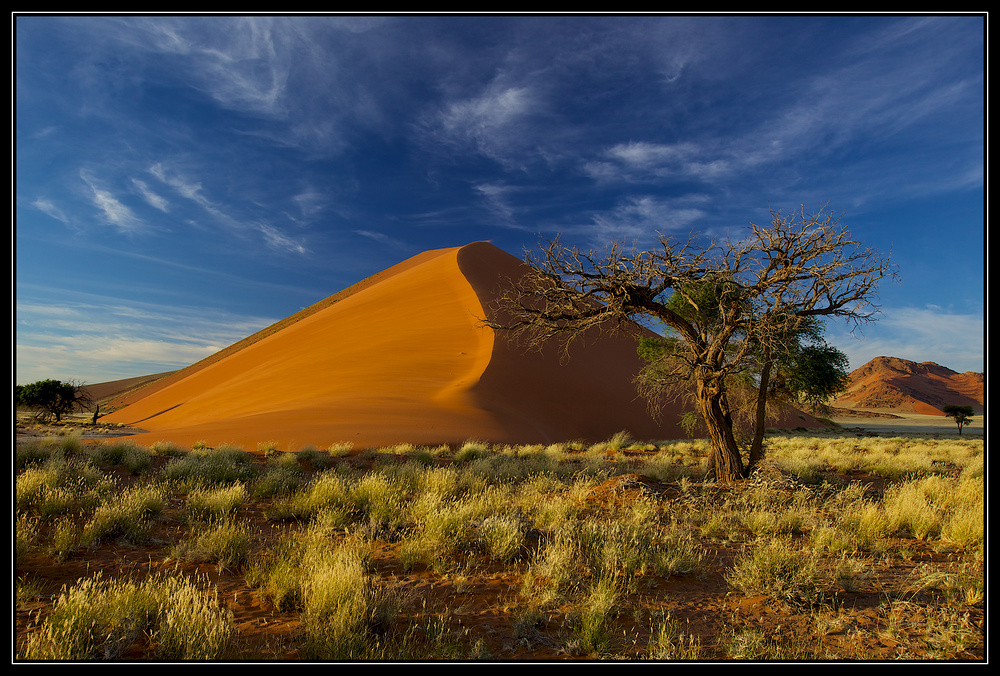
(900, 385)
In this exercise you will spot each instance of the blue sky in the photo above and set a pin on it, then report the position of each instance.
(183, 181)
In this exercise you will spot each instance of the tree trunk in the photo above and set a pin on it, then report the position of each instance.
(725, 459)
(757, 448)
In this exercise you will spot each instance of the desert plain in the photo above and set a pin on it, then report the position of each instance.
(380, 478)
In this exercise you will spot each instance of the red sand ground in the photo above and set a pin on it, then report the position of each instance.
(402, 358)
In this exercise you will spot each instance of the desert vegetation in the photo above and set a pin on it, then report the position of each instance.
(837, 547)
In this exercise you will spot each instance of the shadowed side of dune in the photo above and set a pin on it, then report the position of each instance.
(540, 397)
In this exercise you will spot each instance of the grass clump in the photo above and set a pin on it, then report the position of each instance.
(503, 536)
(166, 449)
(128, 454)
(668, 643)
(780, 572)
(328, 492)
(37, 452)
(225, 543)
(592, 626)
(276, 480)
(60, 486)
(211, 503)
(100, 619)
(345, 613)
(211, 466)
(441, 531)
(127, 516)
(471, 450)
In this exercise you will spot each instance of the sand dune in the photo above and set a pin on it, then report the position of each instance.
(403, 359)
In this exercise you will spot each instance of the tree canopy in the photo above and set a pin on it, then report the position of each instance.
(730, 307)
(962, 415)
(51, 397)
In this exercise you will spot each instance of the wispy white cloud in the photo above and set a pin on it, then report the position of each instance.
(275, 239)
(493, 122)
(381, 238)
(310, 204)
(185, 187)
(498, 196)
(645, 162)
(236, 60)
(193, 190)
(295, 81)
(114, 211)
(640, 219)
(868, 104)
(153, 199)
(49, 209)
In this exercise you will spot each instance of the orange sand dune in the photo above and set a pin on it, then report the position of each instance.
(403, 359)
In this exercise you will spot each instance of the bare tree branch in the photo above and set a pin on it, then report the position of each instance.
(725, 303)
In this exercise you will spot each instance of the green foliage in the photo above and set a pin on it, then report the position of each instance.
(704, 302)
(50, 397)
(812, 372)
(961, 414)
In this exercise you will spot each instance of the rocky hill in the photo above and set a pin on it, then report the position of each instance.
(900, 385)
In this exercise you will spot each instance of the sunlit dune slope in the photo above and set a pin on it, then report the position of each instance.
(388, 363)
(400, 358)
(153, 384)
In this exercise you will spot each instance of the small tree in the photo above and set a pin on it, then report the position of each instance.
(961, 414)
(51, 397)
(730, 306)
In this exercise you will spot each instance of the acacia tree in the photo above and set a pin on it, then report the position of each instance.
(730, 306)
(962, 415)
(808, 372)
(51, 397)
